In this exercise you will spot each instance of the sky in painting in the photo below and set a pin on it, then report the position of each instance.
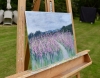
(44, 21)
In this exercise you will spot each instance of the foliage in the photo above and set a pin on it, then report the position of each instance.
(60, 6)
(14, 4)
(75, 7)
(77, 4)
(3, 4)
(29, 4)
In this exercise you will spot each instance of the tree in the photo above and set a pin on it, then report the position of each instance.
(14, 4)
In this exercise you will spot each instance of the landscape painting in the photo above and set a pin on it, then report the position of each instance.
(50, 37)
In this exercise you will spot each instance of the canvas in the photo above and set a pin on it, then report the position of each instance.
(50, 37)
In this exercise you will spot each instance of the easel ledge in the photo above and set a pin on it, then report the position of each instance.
(65, 70)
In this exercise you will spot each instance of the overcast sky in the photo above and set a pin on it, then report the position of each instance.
(45, 21)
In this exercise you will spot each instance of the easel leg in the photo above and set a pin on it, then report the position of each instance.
(78, 75)
(69, 10)
(36, 5)
(20, 53)
(27, 57)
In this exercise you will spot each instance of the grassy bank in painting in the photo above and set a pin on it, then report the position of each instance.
(50, 47)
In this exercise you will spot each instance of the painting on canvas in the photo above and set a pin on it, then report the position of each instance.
(50, 37)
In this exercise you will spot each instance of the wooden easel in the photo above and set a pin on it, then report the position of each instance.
(65, 70)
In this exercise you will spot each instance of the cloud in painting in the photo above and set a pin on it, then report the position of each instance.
(45, 21)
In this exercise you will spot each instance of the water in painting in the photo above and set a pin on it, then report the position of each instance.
(50, 37)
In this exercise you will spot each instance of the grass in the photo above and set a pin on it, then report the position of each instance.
(87, 37)
(7, 50)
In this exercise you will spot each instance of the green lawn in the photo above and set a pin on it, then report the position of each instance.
(87, 37)
(7, 50)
